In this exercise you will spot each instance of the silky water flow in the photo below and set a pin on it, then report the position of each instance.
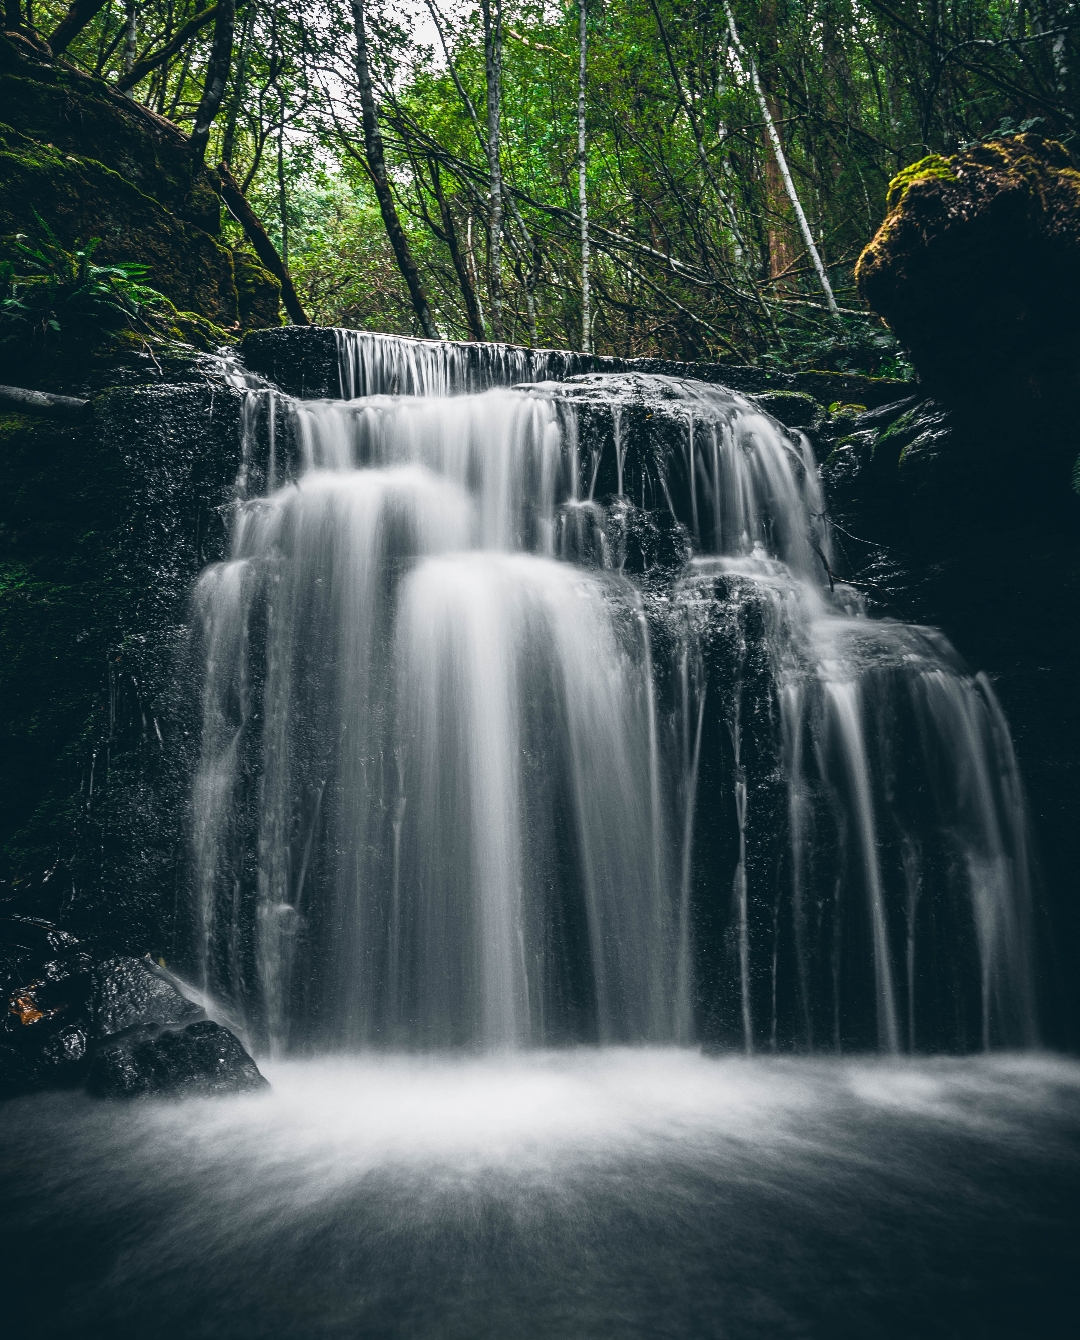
(530, 723)
(456, 732)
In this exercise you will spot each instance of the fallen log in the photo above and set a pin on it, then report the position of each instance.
(23, 401)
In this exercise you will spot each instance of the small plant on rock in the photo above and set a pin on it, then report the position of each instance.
(47, 292)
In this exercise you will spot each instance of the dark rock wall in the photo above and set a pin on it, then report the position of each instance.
(959, 510)
(103, 529)
(967, 522)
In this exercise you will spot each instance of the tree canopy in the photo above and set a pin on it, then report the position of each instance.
(687, 178)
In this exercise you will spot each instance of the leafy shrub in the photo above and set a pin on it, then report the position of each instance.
(47, 291)
(844, 343)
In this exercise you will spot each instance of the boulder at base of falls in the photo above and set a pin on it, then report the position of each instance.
(118, 1025)
(976, 268)
(200, 1058)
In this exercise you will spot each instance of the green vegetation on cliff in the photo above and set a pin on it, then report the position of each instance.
(95, 165)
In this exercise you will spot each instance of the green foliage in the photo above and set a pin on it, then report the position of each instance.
(846, 343)
(47, 291)
(695, 249)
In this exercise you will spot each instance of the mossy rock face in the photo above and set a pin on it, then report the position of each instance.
(258, 293)
(81, 198)
(931, 168)
(92, 163)
(79, 116)
(977, 270)
(794, 409)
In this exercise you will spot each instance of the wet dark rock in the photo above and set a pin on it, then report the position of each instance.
(130, 992)
(119, 1024)
(794, 409)
(948, 517)
(977, 270)
(104, 526)
(200, 1059)
(46, 986)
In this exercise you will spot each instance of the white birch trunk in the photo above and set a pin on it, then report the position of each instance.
(583, 200)
(789, 185)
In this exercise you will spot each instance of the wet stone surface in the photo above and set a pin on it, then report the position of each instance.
(117, 1024)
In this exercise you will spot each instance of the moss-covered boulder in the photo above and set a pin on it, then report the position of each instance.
(977, 270)
(81, 197)
(93, 163)
(258, 293)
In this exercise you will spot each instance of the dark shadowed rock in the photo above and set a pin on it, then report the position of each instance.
(46, 983)
(131, 992)
(202, 1058)
(976, 268)
(118, 1023)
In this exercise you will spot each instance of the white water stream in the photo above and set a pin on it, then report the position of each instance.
(439, 800)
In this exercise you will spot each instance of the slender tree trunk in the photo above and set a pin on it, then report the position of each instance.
(781, 161)
(703, 157)
(582, 166)
(283, 199)
(242, 212)
(12, 15)
(532, 274)
(217, 77)
(781, 252)
(138, 71)
(178, 88)
(492, 13)
(474, 270)
(376, 161)
(228, 139)
(472, 311)
(131, 37)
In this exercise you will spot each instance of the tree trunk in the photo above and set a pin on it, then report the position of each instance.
(493, 71)
(283, 198)
(228, 139)
(217, 76)
(376, 161)
(474, 271)
(131, 36)
(238, 207)
(780, 161)
(472, 310)
(142, 68)
(532, 274)
(777, 204)
(583, 198)
(12, 15)
(72, 24)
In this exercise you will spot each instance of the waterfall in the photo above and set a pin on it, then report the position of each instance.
(529, 716)
(373, 364)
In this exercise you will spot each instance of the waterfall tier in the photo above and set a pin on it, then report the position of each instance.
(530, 715)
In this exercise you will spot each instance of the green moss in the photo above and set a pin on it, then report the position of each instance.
(258, 293)
(82, 198)
(932, 167)
(81, 116)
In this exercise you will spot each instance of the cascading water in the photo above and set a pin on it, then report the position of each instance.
(529, 716)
